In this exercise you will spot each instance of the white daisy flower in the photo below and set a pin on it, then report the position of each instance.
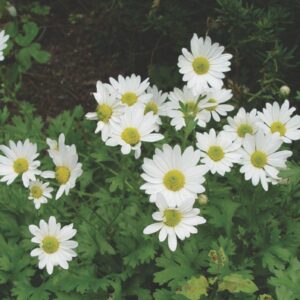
(192, 108)
(55, 247)
(175, 222)
(157, 104)
(260, 159)
(67, 169)
(217, 108)
(174, 174)
(278, 119)
(108, 110)
(3, 39)
(19, 159)
(242, 123)
(39, 192)
(131, 90)
(204, 66)
(218, 151)
(133, 128)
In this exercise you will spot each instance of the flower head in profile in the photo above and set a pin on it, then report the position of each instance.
(260, 159)
(205, 65)
(108, 109)
(177, 176)
(55, 247)
(242, 123)
(184, 104)
(67, 168)
(39, 192)
(130, 89)
(3, 39)
(215, 105)
(174, 222)
(279, 119)
(133, 128)
(19, 160)
(218, 151)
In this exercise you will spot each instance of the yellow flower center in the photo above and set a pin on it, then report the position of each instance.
(129, 98)
(259, 159)
(21, 165)
(278, 127)
(243, 129)
(151, 106)
(172, 217)
(36, 191)
(216, 153)
(131, 136)
(62, 174)
(174, 180)
(212, 108)
(201, 65)
(50, 244)
(192, 108)
(104, 112)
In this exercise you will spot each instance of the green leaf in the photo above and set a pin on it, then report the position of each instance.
(194, 288)
(40, 56)
(30, 32)
(235, 283)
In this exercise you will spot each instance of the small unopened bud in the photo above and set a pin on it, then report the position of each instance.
(213, 256)
(202, 199)
(265, 297)
(284, 90)
(11, 10)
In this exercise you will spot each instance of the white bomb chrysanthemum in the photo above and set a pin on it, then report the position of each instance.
(108, 109)
(217, 108)
(3, 39)
(279, 119)
(20, 160)
(131, 90)
(67, 169)
(157, 104)
(218, 151)
(177, 176)
(39, 192)
(260, 159)
(174, 222)
(205, 65)
(191, 108)
(133, 128)
(55, 247)
(242, 123)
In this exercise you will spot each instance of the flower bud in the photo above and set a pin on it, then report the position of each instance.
(202, 199)
(11, 10)
(284, 90)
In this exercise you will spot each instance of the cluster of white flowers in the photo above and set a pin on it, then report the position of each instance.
(3, 39)
(20, 160)
(129, 112)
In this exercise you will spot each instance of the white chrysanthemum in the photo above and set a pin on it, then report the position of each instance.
(204, 66)
(157, 104)
(19, 159)
(108, 110)
(260, 159)
(133, 128)
(191, 107)
(174, 174)
(217, 108)
(39, 192)
(175, 222)
(55, 247)
(278, 119)
(218, 151)
(242, 123)
(67, 169)
(131, 90)
(3, 39)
